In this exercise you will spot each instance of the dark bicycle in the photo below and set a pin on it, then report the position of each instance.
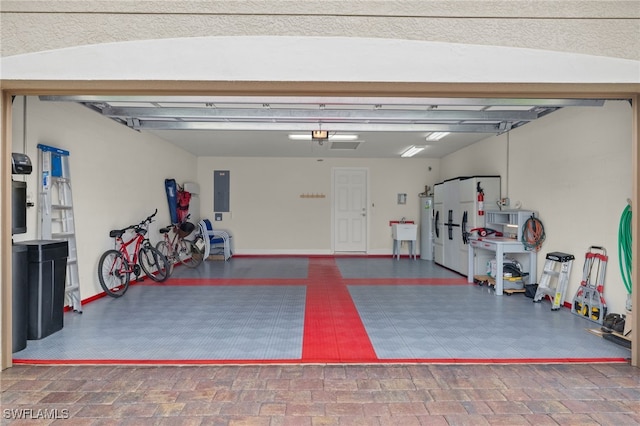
(178, 249)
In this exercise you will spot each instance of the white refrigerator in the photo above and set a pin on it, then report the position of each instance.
(426, 228)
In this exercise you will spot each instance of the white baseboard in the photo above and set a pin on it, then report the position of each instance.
(271, 252)
(311, 252)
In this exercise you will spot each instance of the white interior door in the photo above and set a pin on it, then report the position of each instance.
(350, 210)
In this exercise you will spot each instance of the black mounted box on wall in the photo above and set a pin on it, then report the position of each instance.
(18, 207)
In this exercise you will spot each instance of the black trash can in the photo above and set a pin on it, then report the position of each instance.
(47, 272)
(19, 296)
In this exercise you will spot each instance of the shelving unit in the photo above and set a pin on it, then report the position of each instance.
(509, 222)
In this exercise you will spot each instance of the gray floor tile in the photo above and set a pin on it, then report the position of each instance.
(247, 268)
(387, 267)
(182, 322)
(469, 322)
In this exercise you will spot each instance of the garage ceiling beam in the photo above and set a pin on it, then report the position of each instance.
(396, 115)
(555, 103)
(333, 127)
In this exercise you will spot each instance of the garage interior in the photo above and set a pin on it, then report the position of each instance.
(358, 286)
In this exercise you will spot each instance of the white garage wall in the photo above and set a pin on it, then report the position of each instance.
(117, 175)
(269, 217)
(573, 167)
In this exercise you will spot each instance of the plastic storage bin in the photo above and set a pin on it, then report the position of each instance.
(19, 297)
(47, 271)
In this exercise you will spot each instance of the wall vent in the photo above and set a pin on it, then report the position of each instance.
(344, 145)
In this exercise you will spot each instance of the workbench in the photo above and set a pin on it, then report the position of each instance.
(500, 246)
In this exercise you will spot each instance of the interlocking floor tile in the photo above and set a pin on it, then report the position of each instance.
(467, 322)
(182, 322)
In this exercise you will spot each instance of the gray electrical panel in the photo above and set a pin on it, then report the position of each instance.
(221, 184)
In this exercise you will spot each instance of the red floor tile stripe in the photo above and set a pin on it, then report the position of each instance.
(475, 361)
(229, 281)
(333, 330)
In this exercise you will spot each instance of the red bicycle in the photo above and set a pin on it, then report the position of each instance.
(117, 265)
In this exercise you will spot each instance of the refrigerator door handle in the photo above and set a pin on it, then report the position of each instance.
(450, 224)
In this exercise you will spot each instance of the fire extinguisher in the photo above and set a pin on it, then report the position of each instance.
(480, 200)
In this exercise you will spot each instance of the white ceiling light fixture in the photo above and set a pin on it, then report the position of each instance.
(343, 137)
(436, 136)
(413, 150)
(334, 137)
(299, 136)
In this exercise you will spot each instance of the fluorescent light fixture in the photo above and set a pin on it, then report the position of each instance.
(436, 136)
(343, 137)
(308, 137)
(413, 150)
(299, 136)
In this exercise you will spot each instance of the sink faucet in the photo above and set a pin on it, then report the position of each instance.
(403, 220)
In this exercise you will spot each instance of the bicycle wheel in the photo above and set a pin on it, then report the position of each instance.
(166, 251)
(114, 273)
(189, 254)
(198, 246)
(153, 263)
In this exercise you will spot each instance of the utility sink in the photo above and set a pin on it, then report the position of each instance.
(404, 231)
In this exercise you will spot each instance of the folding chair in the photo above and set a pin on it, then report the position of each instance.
(215, 239)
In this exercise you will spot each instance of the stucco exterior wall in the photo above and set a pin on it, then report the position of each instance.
(602, 28)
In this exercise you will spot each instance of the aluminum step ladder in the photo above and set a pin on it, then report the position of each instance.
(555, 278)
(588, 301)
(56, 213)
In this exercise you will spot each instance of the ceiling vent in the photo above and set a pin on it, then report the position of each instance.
(344, 145)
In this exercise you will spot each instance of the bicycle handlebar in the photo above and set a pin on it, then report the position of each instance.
(184, 220)
(140, 225)
(148, 219)
(143, 225)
